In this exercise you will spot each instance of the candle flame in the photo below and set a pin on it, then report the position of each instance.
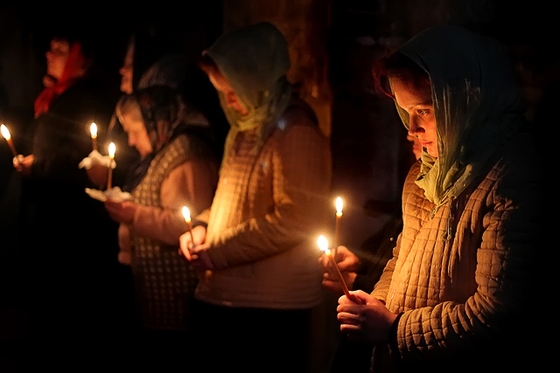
(5, 132)
(112, 150)
(186, 214)
(323, 244)
(338, 205)
(93, 130)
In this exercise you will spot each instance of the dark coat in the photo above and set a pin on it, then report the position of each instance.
(68, 243)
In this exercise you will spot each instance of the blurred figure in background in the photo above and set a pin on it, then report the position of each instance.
(68, 241)
(176, 167)
(146, 62)
(255, 247)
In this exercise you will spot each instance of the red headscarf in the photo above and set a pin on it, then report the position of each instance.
(72, 71)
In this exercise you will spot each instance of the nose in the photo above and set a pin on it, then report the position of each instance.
(414, 128)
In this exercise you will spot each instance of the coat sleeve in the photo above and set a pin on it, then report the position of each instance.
(191, 184)
(494, 318)
(301, 175)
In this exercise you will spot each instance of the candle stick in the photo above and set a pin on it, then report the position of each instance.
(93, 132)
(338, 206)
(112, 150)
(8, 137)
(187, 216)
(324, 246)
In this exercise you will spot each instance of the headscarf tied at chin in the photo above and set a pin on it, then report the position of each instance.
(254, 60)
(73, 70)
(477, 105)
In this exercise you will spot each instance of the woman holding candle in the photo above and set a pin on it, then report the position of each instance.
(68, 240)
(255, 246)
(177, 168)
(458, 291)
(361, 268)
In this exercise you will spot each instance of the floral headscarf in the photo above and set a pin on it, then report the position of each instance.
(476, 101)
(254, 60)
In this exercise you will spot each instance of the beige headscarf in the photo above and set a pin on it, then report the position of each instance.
(254, 60)
(476, 101)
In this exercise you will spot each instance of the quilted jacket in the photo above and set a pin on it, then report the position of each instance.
(464, 269)
(463, 277)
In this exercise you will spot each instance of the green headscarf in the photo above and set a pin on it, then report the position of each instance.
(254, 60)
(476, 101)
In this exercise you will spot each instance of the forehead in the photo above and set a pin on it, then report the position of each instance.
(408, 95)
(60, 45)
(131, 122)
(219, 81)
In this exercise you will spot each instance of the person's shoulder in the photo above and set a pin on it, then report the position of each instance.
(298, 112)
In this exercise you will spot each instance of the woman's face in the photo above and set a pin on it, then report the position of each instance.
(137, 133)
(222, 85)
(57, 56)
(420, 108)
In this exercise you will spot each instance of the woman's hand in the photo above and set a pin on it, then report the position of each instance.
(23, 164)
(347, 262)
(368, 322)
(121, 212)
(194, 248)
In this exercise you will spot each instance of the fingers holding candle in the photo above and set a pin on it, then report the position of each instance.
(323, 244)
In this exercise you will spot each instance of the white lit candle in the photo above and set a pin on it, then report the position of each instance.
(338, 206)
(112, 150)
(323, 244)
(93, 132)
(8, 137)
(187, 216)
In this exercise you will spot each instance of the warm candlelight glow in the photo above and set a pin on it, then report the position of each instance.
(338, 206)
(187, 216)
(93, 132)
(8, 137)
(323, 244)
(5, 132)
(112, 150)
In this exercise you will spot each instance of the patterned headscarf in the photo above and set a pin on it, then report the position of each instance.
(163, 113)
(254, 60)
(476, 101)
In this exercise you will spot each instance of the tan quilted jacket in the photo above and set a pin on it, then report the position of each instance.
(267, 213)
(471, 288)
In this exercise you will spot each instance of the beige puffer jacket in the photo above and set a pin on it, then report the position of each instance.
(466, 296)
